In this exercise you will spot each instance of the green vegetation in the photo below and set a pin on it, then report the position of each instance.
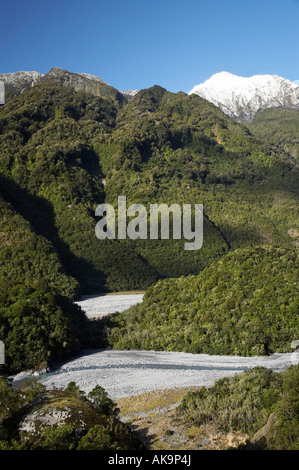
(66, 149)
(279, 127)
(35, 419)
(244, 403)
(40, 327)
(52, 177)
(245, 304)
(63, 152)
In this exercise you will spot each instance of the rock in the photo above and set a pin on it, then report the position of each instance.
(261, 439)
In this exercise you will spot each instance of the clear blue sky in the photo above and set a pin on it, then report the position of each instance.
(139, 43)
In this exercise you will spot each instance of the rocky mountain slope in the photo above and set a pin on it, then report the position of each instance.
(18, 82)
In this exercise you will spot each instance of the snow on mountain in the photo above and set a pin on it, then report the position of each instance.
(92, 77)
(243, 97)
(2, 93)
(17, 82)
(66, 76)
(130, 93)
(21, 77)
(240, 97)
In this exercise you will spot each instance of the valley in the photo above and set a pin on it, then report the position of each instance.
(190, 334)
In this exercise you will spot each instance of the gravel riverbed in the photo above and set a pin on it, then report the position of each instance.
(127, 373)
(97, 306)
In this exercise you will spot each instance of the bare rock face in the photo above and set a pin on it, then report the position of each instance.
(261, 439)
(242, 98)
(86, 82)
(57, 408)
(18, 82)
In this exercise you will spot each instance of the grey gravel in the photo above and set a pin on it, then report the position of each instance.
(126, 373)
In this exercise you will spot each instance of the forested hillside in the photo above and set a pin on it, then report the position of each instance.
(244, 304)
(259, 402)
(63, 152)
(279, 127)
(65, 149)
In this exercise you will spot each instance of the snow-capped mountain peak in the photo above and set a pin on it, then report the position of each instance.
(243, 97)
(130, 93)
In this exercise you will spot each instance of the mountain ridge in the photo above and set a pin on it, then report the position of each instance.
(18, 82)
(243, 98)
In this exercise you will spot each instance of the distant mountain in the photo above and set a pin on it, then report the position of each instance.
(242, 98)
(87, 83)
(18, 82)
(130, 93)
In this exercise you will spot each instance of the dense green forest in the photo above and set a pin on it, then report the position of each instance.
(68, 144)
(244, 304)
(247, 402)
(63, 152)
(65, 149)
(279, 127)
(61, 419)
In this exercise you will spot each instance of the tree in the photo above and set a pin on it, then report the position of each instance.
(97, 438)
(100, 397)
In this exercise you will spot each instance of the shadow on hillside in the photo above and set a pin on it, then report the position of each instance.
(40, 214)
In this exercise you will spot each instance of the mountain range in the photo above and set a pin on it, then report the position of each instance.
(242, 98)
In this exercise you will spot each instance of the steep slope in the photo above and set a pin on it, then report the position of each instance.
(18, 82)
(178, 148)
(87, 83)
(242, 98)
(38, 322)
(55, 179)
(278, 127)
(27, 258)
(245, 304)
(65, 152)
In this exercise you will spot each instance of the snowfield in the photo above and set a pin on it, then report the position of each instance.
(126, 373)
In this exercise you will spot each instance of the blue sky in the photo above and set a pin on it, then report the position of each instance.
(139, 43)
